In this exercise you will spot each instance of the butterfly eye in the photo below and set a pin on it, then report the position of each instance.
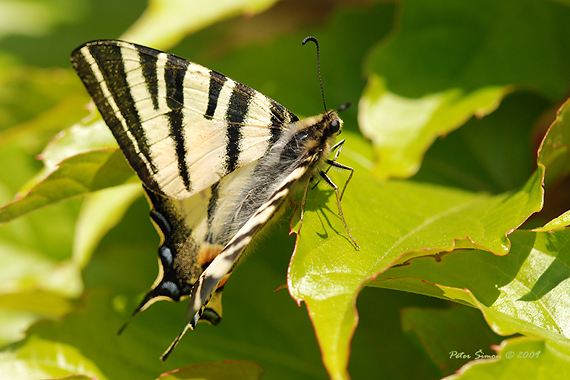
(335, 126)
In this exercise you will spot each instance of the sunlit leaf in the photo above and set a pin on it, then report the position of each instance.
(393, 221)
(36, 18)
(24, 269)
(449, 62)
(21, 308)
(78, 175)
(556, 223)
(523, 292)
(402, 129)
(43, 359)
(554, 151)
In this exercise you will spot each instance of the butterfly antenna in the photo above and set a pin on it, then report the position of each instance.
(311, 38)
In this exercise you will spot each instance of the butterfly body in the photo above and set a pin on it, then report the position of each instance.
(217, 160)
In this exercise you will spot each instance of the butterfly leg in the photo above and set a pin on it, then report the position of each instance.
(338, 146)
(335, 187)
(341, 166)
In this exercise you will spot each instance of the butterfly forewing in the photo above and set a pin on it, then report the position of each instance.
(181, 126)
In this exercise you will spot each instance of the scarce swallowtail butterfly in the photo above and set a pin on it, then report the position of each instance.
(216, 158)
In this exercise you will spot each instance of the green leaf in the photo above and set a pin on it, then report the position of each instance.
(554, 151)
(40, 359)
(19, 310)
(36, 18)
(523, 292)
(448, 62)
(25, 269)
(556, 223)
(402, 129)
(380, 346)
(75, 176)
(474, 44)
(554, 154)
(75, 140)
(392, 222)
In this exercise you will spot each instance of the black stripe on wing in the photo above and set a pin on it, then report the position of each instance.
(174, 73)
(150, 75)
(217, 81)
(109, 64)
(211, 211)
(236, 113)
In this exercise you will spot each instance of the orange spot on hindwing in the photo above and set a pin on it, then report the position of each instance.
(207, 253)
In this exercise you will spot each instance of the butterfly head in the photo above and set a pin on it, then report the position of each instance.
(332, 124)
(336, 123)
(313, 136)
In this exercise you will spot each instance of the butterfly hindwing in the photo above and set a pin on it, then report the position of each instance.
(194, 231)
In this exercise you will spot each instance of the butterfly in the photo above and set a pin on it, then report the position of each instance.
(216, 158)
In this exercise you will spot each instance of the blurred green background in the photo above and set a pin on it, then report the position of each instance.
(414, 71)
